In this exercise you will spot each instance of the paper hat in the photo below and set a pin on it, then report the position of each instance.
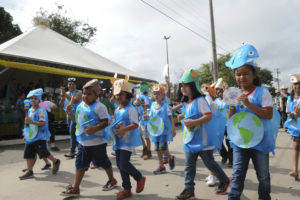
(37, 92)
(191, 76)
(245, 55)
(144, 87)
(284, 87)
(94, 84)
(220, 84)
(211, 91)
(294, 78)
(121, 85)
(158, 88)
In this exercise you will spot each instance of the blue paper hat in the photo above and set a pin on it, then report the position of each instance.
(245, 55)
(37, 92)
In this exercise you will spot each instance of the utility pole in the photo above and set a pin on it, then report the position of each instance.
(166, 38)
(277, 78)
(213, 42)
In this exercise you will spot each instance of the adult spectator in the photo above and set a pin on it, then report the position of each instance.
(20, 113)
(49, 89)
(283, 102)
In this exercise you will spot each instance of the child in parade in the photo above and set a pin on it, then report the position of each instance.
(144, 104)
(126, 136)
(91, 118)
(161, 109)
(36, 134)
(258, 101)
(200, 138)
(64, 102)
(293, 111)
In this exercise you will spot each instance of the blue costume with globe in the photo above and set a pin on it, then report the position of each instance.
(293, 125)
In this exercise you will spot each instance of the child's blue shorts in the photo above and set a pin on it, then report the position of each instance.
(97, 154)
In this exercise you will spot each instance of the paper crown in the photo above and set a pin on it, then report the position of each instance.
(37, 92)
(294, 78)
(244, 55)
(158, 88)
(191, 76)
(121, 85)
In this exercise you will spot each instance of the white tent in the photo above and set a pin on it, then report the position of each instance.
(43, 50)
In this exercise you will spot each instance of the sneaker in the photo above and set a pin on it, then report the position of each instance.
(54, 148)
(172, 163)
(109, 185)
(207, 178)
(140, 185)
(70, 155)
(46, 166)
(70, 192)
(26, 175)
(222, 188)
(56, 166)
(211, 181)
(160, 170)
(124, 194)
(185, 195)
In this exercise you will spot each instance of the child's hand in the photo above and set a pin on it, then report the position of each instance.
(69, 108)
(121, 130)
(243, 98)
(297, 111)
(28, 120)
(90, 130)
(180, 117)
(173, 132)
(189, 123)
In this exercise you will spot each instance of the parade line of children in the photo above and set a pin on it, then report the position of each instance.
(135, 122)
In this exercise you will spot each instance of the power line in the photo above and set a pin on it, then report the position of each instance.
(181, 24)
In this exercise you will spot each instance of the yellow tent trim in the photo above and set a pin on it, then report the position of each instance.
(51, 70)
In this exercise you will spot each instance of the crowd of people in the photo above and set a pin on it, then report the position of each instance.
(206, 115)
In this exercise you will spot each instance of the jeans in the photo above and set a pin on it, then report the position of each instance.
(72, 129)
(209, 162)
(126, 168)
(241, 158)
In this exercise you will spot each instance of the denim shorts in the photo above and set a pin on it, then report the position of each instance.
(38, 147)
(97, 154)
(144, 132)
(161, 146)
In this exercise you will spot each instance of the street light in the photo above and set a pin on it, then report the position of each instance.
(166, 38)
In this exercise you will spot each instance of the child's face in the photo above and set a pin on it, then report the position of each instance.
(89, 96)
(157, 96)
(186, 90)
(219, 92)
(34, 101)
(244, 76)
(296, 87)
(121, 98)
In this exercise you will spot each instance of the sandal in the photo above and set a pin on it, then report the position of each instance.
(70, 192)
(124, 194)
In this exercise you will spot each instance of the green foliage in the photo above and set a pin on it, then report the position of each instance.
(78, 31)
(227, 74)
(8, 30)
(272, 90)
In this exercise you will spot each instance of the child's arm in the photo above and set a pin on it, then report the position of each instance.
(30, 121)
(69, 109)
(93, 129)
(173, 126)
(261, 112)
(178, 106)
(189, 123)
(231, 111)
(122, 130)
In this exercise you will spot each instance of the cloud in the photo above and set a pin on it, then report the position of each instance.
(130, 33)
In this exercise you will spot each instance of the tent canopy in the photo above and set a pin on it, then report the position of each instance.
(43, 50)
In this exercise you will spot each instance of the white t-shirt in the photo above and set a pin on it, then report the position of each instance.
(133, 118)
(295, 100)
(266, 100)
(211, 103)
(49, 90)
(49, 105)
(57, 91)
(101, 111)
(203, 106)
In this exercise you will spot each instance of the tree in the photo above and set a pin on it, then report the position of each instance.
(78, 31)
(8, 30)
(226, 73)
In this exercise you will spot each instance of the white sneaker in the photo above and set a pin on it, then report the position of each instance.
(212, 181)
(207, 178)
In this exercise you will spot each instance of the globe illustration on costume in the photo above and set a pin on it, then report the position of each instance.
(30, 131)
(245, 129)
(82, 120)
(156, 126)
(225, 113)
(230, 96)
(188, 133)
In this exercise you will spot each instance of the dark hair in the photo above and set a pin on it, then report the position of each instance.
(256, 81)
(145, 93)
(195, 92)
(292, 95)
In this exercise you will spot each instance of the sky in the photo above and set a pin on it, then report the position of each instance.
(131, 33)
